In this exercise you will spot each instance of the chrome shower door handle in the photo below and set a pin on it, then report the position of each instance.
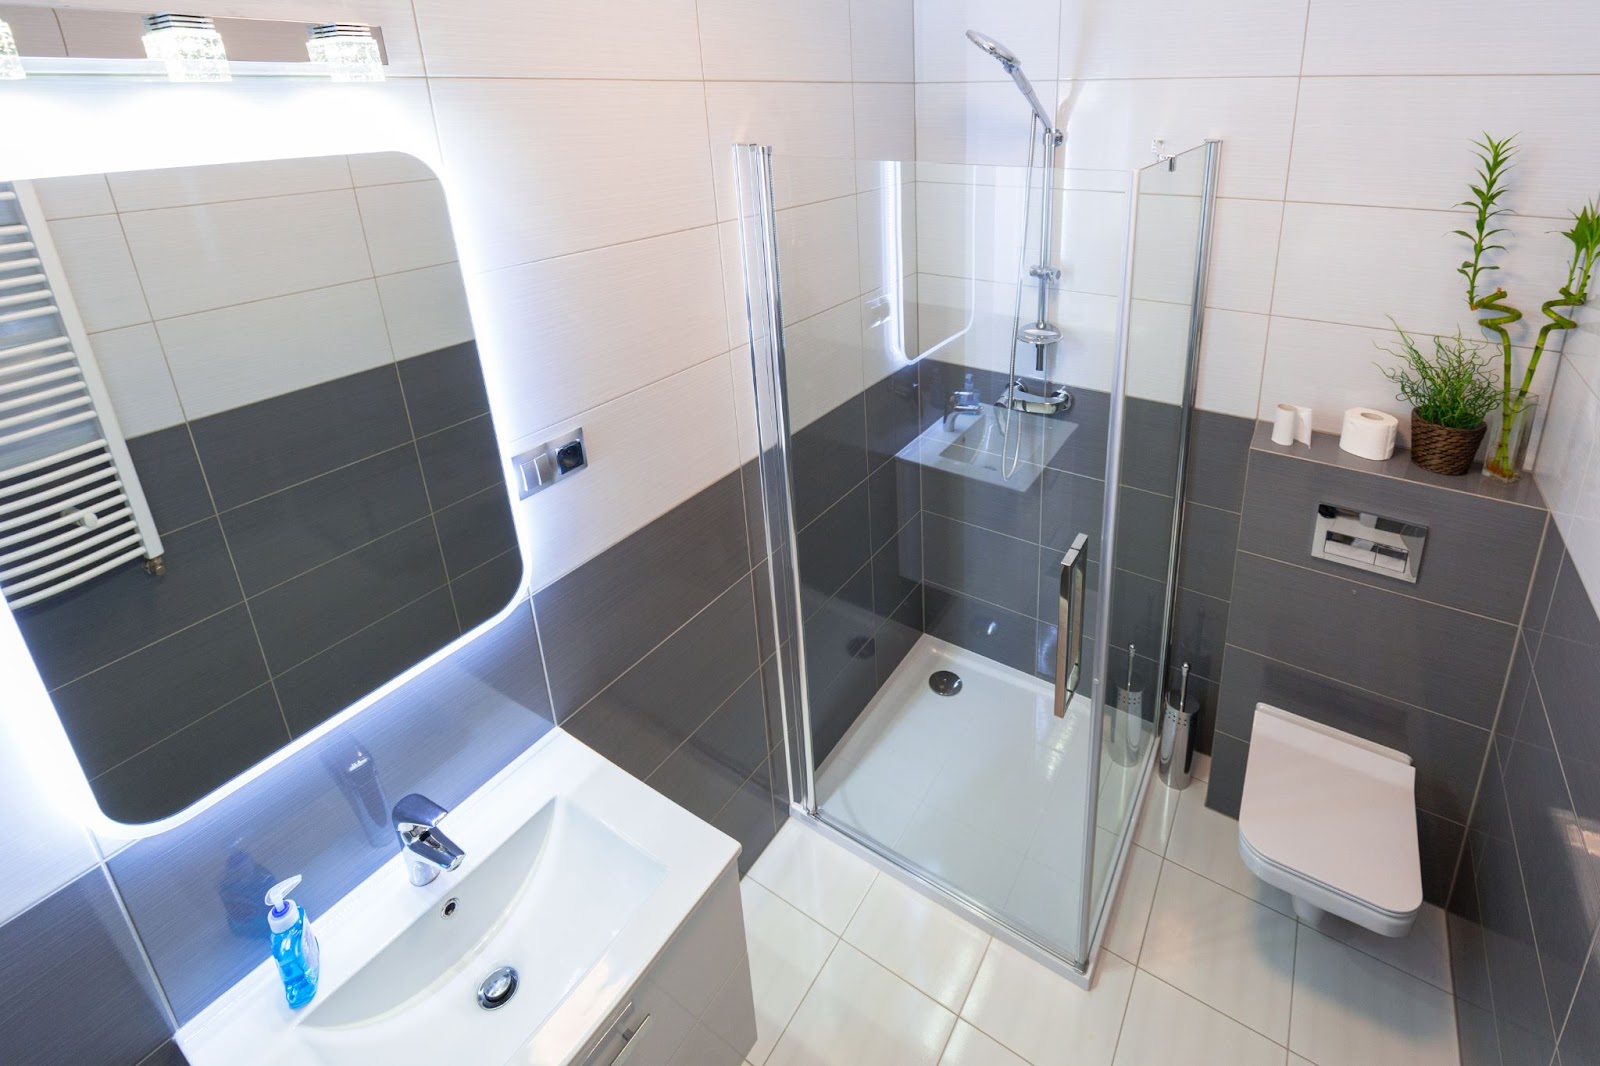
(1069, 622)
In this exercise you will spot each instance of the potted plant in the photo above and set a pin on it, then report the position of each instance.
(1450, 392)
(1517, 405)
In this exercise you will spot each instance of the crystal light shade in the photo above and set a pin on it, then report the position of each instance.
(347, 49)
(189, 45)
(10, 62)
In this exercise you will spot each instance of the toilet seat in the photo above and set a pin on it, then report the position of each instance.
(1331, 819)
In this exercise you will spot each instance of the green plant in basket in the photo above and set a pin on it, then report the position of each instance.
(1451, 387)
(1494, 156)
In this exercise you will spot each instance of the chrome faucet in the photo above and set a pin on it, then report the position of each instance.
(426, 848)
(961, 402)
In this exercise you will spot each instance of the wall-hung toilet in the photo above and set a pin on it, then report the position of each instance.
(1331, 819)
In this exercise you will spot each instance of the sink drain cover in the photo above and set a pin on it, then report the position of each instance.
(945, 682)
(498, 988)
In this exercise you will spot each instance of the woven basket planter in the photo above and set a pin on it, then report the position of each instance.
(1442, 449)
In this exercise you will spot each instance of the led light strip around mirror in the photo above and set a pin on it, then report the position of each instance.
(183, 47)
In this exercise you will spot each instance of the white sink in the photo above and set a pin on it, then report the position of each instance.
(569, 896)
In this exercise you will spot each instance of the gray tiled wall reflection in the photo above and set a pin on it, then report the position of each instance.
(316, 546)
(1417, 667)
(1522, 911)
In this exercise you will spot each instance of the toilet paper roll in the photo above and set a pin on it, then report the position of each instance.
(1291, 423)
(1368, 433)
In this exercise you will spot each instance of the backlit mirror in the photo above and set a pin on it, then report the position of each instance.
(247, 468)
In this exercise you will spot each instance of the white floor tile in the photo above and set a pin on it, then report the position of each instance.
(1208, 843)
(1222, 948)
(787, 951)
(1164, 1026)
(1423, 953)
(1156, 816)
(1352, 1010)
(969, 1047)
(920, 941)
(814, 874)
(1042, 1016)
(859, 1014)
(1125, 931)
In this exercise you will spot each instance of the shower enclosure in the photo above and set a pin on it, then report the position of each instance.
(967, 598)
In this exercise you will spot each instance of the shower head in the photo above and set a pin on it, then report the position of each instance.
(1013, 66)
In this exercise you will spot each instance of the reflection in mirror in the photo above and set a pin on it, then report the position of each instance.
(247, 469)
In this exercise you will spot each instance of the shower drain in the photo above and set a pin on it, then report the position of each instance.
(945, 682)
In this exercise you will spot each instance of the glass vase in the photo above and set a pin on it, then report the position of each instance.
(1508, 439)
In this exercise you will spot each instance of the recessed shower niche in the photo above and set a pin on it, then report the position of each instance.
(247, 469)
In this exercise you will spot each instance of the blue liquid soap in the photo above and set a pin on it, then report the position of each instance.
(294, 945)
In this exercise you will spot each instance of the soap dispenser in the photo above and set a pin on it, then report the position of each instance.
(294, 945)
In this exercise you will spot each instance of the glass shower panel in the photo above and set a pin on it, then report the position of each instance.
(1169, 228)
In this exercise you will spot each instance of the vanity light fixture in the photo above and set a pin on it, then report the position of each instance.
(10, 61)
(347, 49)
(189, 45)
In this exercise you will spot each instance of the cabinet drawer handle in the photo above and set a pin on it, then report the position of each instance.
(630, 1042)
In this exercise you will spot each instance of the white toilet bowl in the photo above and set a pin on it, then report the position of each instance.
(1331, 819)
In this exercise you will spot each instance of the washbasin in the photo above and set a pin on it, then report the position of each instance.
(546, 903)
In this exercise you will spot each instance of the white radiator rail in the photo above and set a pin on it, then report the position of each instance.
(71, 507)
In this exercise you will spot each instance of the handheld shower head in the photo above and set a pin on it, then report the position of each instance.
(1013, 66)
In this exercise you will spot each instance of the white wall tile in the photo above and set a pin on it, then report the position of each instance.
(632, 478)
(1178, 39)
(818, 252)
(1361, 265)
(385, 168)
(1328, 368)
(568, 334)
(1110, 124)
(134, 369)
(1158, 350)
(426, 310)
(145, 190)
(1090, 238)
(741, 41)
(407, 226)
(250, 352)
(1351, 149)
(1446, 37)
(881, 40)
(70, 197)
(803, 124)
(1233, 347)
(197, 258)
(36, 30)
(1244, 253)
(1027, 27)
(653, 39)
(975, 122)
(886, 235)
(885, 126)
(566, 181)
(889, 331)
(100, 273)
(823, 355)
(1569, 474)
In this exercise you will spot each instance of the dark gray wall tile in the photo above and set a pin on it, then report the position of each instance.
(1225, 788)
(1476, 1036)
(1004, 636)
(443, 733)
(841, 667)
(194, 761)
(1199, 632)
(482, 592)
(1447, 754)
(1072, 504)
(119, 710)
(1049, 610)
(168, 1054)
(1011, 508)
(303, 616)
(328, 682)
(715, 761)
(896, 636)
(280, 536)
(1572, 610)
(1144, 532)
(443, 387)
(77, 940)
(169, 473)
(1480, 552)
(459, 461)
(1219, 450)
(105, 619)
(751, 818)
(641, 718)
(1043, 662)
(475, 530)
(982, 564)
(1580, 1040)
(896, 572)
(1137, 607)
(892, 410)
(895, 493)
(263, 447)
(836, 544)
(1438, 844)
(1568, 676)
(828, 458)
(937, 380)
(1553, 560)
(1372, 638)
(1205, 554)
(1084, 450)
(599, 619)
(1150, 435)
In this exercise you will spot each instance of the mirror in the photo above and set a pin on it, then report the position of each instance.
(247, 468)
